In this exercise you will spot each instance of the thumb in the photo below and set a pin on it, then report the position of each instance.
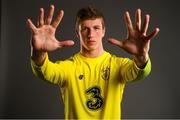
(66, 43)
(115, 42)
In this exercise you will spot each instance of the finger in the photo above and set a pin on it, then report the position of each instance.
(115, 42)
(50, 15)
(31, 25)
(138, 19)
(58, 19)
(128, 21)
(146, 24)
(153, 34)
(66, 43)
(41, 17)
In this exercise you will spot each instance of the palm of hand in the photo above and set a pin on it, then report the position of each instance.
(43, 36)
(137, 42)
(44, 39)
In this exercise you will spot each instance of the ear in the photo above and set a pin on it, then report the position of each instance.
(104, 31)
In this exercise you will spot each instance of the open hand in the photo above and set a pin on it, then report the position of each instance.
(43, 36)
(137, 42)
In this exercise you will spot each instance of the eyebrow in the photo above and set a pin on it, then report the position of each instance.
(97, 26)
(92, 26)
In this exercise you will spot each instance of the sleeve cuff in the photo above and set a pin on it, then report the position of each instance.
(145, 71)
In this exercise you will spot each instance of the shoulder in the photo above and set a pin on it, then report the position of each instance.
(69, 61)
(119, 59)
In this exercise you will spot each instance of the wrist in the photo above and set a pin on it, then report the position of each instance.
(141, 60)
(38, 57)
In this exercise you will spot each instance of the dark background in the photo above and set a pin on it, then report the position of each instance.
(22, 95)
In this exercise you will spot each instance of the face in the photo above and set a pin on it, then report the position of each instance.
(90, 33)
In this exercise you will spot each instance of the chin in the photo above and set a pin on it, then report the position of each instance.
(92, 48)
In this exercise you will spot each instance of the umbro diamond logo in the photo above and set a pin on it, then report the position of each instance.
(81, 77)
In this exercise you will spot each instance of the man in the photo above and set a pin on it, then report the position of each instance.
(92, 81)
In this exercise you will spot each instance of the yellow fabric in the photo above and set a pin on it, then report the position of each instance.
(91, 88)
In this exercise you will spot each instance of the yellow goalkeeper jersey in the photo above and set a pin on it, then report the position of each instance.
(91, 88)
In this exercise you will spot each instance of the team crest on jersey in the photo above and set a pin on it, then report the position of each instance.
(105, 73)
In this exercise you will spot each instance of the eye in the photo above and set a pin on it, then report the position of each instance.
(97, 27)
(84, 29)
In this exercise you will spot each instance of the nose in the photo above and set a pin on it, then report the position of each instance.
(90, 33)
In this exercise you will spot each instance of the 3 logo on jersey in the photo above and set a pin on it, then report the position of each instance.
(95, 100)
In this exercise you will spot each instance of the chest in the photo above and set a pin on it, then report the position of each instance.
(93, 73)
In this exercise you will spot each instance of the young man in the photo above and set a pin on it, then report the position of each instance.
(92, 81)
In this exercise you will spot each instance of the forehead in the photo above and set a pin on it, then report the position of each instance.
(91, 22)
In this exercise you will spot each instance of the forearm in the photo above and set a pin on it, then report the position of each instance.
(48, 71)
(130, 71)
(38, 56)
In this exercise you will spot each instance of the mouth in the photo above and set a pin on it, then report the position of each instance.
(91, 42)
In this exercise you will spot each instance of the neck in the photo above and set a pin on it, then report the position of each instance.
(91, 53)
